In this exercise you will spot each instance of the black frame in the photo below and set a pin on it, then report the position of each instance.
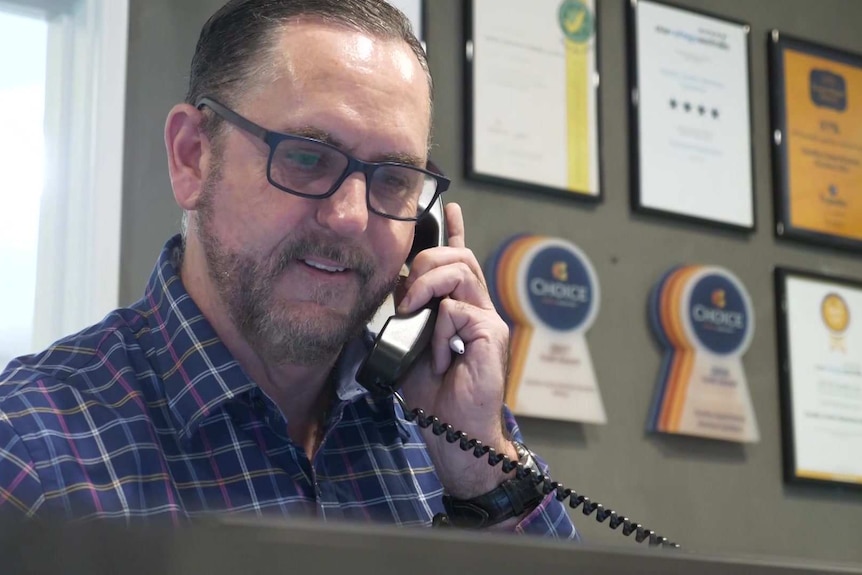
(469, 106)
(784, 376)
(634, 121)
(777, 42)
(273, 139)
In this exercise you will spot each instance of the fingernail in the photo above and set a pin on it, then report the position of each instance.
(404, 306)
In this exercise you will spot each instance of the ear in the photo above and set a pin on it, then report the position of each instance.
(189, 154)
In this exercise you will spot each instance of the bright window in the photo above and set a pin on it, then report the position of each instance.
(23, 53)
(62, 112)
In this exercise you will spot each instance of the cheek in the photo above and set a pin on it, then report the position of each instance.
(393, 246)
(253, 216)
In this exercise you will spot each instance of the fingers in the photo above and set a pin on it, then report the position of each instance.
(457, 280)
(455, 225)
(475, 326)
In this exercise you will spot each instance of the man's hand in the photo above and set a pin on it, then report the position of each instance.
(467, 391)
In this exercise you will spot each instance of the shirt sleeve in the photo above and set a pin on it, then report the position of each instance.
(21, 492)
(550, 518)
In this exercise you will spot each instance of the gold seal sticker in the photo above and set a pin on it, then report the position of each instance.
(836, 316)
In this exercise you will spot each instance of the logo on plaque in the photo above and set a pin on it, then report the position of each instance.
(576, 21)
(828, 90)
(560, 288)
(719, 314)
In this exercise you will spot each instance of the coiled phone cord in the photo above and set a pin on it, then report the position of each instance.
(562, 492)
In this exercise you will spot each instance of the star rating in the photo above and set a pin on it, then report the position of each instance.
(688, 107)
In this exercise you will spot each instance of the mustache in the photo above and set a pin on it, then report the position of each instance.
(340, 251)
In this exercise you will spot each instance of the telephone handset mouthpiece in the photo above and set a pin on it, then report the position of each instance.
(404, 338)
(399, 344)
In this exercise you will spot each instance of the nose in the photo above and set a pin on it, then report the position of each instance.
(345, 212)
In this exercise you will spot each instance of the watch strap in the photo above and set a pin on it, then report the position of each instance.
(510, 499)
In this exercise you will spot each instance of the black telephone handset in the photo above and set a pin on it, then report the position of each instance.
(403, 338)
(400, 342)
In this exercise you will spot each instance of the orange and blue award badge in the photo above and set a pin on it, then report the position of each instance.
(547, 290)
(704, 319)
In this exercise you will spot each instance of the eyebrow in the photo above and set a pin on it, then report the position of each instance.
(323, 136)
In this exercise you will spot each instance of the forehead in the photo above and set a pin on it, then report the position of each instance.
(337, 78)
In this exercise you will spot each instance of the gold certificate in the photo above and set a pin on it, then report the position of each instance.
(817, 116)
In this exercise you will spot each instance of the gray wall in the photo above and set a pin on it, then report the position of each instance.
(710, 496)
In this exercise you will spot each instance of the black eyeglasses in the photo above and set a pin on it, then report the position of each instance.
(309, 168)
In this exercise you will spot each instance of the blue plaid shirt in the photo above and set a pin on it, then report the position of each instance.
(147, 415)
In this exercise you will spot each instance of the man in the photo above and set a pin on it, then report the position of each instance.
(299, 160)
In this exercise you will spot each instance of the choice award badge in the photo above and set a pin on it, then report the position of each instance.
(703, 317)
(548, 292)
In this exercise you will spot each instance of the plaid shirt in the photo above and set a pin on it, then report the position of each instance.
(147, 415)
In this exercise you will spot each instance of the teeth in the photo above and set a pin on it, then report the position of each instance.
(323, 267)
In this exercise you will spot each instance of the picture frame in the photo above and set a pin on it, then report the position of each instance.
(820, 383)
(692, 155)
(816, 154)
(532, 96)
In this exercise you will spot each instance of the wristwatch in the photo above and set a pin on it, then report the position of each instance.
(511, 498)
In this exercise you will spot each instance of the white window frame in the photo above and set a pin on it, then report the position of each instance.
(78, 269)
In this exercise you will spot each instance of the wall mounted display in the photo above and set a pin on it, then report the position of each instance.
(532, 95)
(816, 95)
(691, 144)
(704, 319)
(415, 12)
(820, 359)
(548, 292)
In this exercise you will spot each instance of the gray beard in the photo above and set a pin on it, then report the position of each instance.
(278, 334)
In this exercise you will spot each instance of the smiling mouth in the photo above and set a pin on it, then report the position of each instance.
(323, 267)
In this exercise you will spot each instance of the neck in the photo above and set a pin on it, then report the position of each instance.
(302, 392)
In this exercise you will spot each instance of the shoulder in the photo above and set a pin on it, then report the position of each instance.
(86, 363)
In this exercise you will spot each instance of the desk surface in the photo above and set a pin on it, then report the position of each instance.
(240, 547)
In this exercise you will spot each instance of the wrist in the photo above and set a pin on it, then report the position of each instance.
(507, 503)
(462, 474)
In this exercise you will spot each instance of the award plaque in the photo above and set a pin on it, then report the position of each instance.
(691, 116)
(548, 292)
(816, 95)
(532, 95)
(820, 354)
(703, 318)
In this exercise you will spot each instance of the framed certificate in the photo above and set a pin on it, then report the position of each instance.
(820, 354)
(532, 95)
(692, 154)
(816, 95)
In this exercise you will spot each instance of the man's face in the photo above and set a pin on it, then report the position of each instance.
(299, 277)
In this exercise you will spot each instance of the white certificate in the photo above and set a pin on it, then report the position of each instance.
(414, 12)
(822, 388)
(532, 107)
(693, 130)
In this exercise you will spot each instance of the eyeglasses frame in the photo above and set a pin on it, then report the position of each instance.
(272, 139)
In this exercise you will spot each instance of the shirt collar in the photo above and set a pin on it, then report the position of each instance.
(198, 372)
